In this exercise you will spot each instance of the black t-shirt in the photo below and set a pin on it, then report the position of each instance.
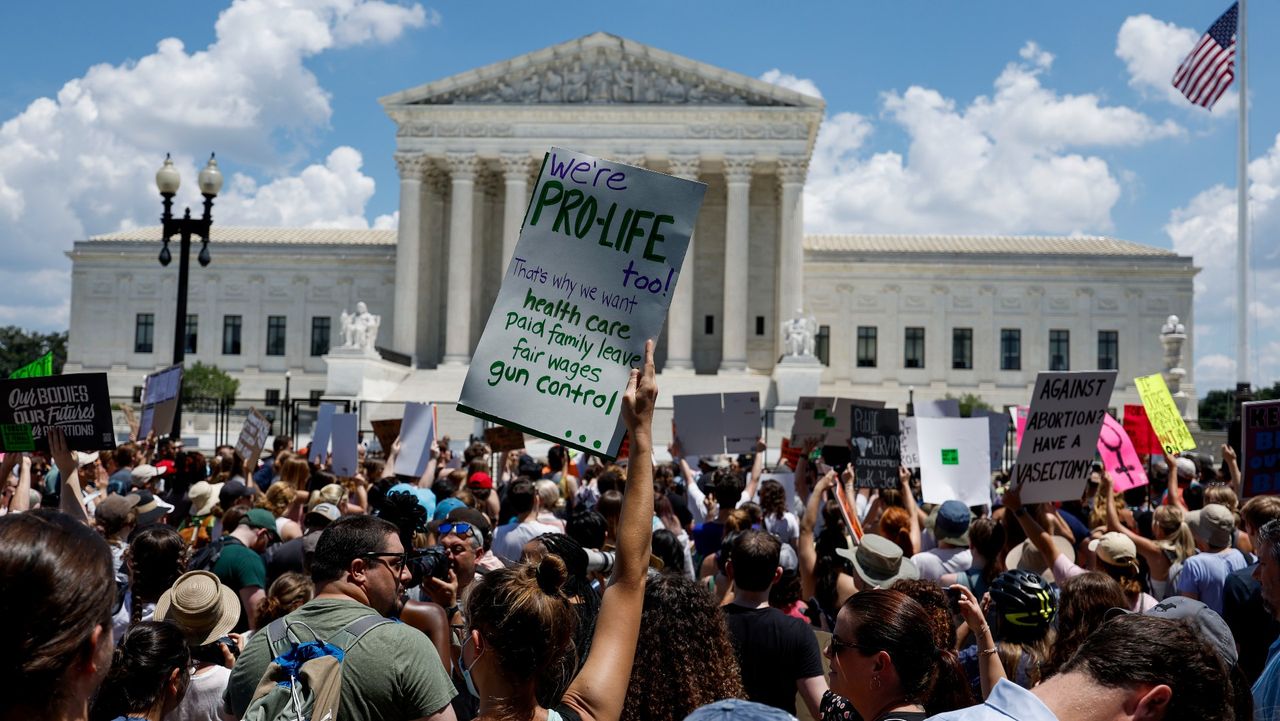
(774, 651)
(1254, 629)
(282, 558)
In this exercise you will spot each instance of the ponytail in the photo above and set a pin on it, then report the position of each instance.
(141, 666)
(951, 689)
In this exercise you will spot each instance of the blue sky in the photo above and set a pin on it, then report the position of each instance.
(1062, 120)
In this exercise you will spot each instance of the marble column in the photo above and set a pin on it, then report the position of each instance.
(791, 175)
(680, 323)
(462, 178)
(408, 253)
(737, 175)
(515, 175)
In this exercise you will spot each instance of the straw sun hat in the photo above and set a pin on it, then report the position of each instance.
(199, 605)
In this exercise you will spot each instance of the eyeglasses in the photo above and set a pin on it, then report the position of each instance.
(836, 646)
(396, 564)
(460, 529)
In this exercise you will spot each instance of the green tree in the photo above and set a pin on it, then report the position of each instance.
(1218, 408)
(19, 347)
(970, 402)
(207, 382)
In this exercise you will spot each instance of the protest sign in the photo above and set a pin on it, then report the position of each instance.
(909, 445)
(848, 511)
(1061, 435)
(1260, 453)
(789, 454)
(160, 396)
(502, 439)
(417, 436)
(1019, 416)
(253, 438)
(1139, 429)
(319, 450)
(38, 368)
(1163, 414)
(939, 408)
(386, 431)
(875, 446)
(1118, 456)
(814, 417)
(998, 427)
(590, 280)
(79, 404)
(955, 460)
(712, 423)
(345, 437)
(841, 432)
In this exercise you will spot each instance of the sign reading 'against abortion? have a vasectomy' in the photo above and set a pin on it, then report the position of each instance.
(590, 281)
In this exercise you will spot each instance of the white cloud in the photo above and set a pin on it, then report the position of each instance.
(1215, 372)
(1152, 50)
(1003, 163)
(83, 162)
(791, 82)
(1205, 228)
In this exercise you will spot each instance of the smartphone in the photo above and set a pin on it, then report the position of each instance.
(953, 599)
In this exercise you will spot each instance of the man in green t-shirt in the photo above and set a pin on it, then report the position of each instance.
(241, 569)
(394, 671)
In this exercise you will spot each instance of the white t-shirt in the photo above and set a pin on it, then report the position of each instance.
(786, 527)
(120, 621)
(936, 563)
(509, 540)
(203, 701)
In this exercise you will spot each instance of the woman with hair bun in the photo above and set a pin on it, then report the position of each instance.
(58, 594)
(885, 662)
(149, 674)
(519, 622)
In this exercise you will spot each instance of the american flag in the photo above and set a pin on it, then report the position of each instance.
(1205, 73)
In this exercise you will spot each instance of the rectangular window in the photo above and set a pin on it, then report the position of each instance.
(273, 397)
(144, 333)
(759, 325)
(231, 334)
(1059, 350)
(867, 343)
(1108, 350)
(962, 348)
(822, 344)
(913, 348)
(191, 342)
(319, 335)
(275, 334)
(710, 325)
(1010, 349)
(137, 394)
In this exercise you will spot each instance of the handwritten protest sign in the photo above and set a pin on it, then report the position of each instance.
(160, 395)
(1061, 436)
(502, 439)
(38, 368)
(875, 448)
(712, 423)
(955, 460)
(1260, 447)
(79, 404)
(319, 450)
(592, 275)
(1118, 456)
(253, 438)
(417, 436)
(1163, 414)
(345, 438)
(998, 427)
(386, 431)
(909, 445)
(1139, 430)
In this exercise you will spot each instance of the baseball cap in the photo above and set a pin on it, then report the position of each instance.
(1115, 549)
(141, 475)
(113, 511)
(1214, 524)
(950, 523)
(734, 709)
(261, 518)
(1206, 621)
(84, 459)
(447, 506)
(475, 518)
(480, 479)
(232, 491)
(322, 515)
(879, 562)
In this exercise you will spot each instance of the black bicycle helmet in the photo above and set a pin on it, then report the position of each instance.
(1024, 602)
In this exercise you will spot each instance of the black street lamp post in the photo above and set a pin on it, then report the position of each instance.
(167, 181)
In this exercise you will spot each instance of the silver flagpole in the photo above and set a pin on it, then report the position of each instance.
(1242, 207)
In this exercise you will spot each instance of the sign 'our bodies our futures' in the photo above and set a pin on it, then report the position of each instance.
(590, 281)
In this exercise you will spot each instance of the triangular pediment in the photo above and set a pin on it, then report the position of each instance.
(601, 69)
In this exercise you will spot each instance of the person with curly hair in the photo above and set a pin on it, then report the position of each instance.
(1084, 603)
(684, 658)
(777, 519)
(155, 558)
(280, 501)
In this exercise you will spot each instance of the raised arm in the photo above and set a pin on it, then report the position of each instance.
(1229, 457)
(1175, 492)
(72, 501)
(909, 498)
(1040, 538)
(22, 497)
(757, 468)
(990, 670)
(1145, 546)
(594, 693)
(806, 549)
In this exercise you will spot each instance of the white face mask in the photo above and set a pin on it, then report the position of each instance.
(466, 670)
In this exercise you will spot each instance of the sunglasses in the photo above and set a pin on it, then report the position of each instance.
(837, 646)
(460, 529)
(396, 564)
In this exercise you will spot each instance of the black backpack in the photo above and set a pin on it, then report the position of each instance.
(206, 558)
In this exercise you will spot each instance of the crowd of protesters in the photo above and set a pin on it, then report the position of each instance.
(152, 582)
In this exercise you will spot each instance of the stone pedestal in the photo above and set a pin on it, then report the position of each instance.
(361, 374)
(796, 376)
